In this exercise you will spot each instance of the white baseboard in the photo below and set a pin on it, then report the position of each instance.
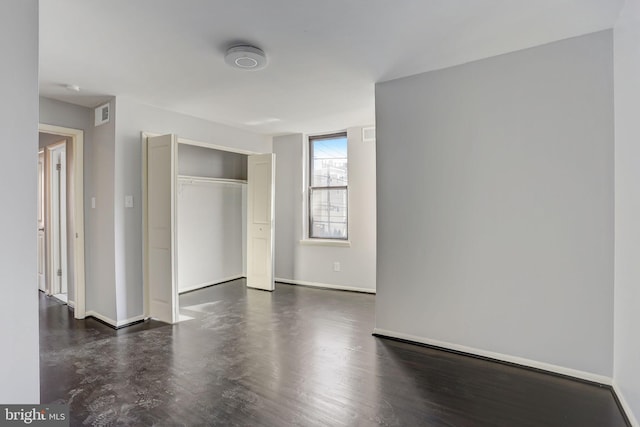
(216, 282)
(588, 376)
(114, 323)
(625, 405)
(325, 285)
(99, 316)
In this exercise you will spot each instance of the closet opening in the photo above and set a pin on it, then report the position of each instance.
(211, 217)
(208, 216)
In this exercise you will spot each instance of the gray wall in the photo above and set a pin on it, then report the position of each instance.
(99, 222)
(495, 205)
(288, 226)
(45, 139)
(200, 161)
(132, 119)
(626, 373)
(58, 113)
(19, 365)
(99, 145)
(313, 264)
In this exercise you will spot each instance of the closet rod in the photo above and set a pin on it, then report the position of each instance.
(204, 179)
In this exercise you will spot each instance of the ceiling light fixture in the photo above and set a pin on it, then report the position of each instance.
(246, 57)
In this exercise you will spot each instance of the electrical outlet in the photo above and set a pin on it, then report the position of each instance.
(336, 266)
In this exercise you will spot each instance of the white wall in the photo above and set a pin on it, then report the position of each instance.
(495, 205)
(211, 232)
(313, 264)
(19, 364)
(132, 119)
(627, 207)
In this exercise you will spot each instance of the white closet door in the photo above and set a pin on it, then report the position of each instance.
(260, 221)
(161, 221)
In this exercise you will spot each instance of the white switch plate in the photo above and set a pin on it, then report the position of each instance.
(93, 203)
(336, 266)
(128, 201)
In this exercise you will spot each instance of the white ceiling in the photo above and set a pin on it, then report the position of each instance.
(324, 56)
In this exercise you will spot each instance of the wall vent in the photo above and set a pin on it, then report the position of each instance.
(102, 114)
(369, 134)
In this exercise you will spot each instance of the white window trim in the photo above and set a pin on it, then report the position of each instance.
(306, 239)
(326, 242)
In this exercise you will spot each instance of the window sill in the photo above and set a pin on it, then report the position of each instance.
(326, 242)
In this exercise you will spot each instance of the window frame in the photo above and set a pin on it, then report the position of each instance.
(311, 188)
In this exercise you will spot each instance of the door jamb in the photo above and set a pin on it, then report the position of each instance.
(77, 142)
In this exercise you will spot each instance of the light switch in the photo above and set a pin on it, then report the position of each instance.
(128, 201)
(93, 203)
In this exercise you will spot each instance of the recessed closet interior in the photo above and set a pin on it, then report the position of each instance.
(211, 199)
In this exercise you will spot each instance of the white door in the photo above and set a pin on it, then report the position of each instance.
(161, 221)
(260, 221)
(41, 241)
(58, 235)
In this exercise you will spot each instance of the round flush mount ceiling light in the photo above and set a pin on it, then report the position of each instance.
(246, 58)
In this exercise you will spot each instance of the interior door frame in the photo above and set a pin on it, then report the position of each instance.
(76, 137)
(145, 249)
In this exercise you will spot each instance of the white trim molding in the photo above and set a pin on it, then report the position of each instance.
(588, 376)
(114, 323)
(326, 242)
(625, 405)
(325, 285)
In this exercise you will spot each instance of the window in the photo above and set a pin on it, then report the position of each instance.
(328, 191)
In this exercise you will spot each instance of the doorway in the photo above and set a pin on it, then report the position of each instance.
(61, 216)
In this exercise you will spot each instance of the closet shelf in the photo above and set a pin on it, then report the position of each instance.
(201, 179)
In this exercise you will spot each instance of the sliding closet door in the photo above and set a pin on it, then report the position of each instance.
(161, 221)
(260, 209)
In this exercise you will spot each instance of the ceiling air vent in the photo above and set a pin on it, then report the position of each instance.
(102, 114)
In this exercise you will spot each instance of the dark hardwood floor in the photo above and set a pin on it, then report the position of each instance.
(295, 357)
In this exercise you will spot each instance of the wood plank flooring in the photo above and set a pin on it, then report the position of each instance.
(296, 357)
